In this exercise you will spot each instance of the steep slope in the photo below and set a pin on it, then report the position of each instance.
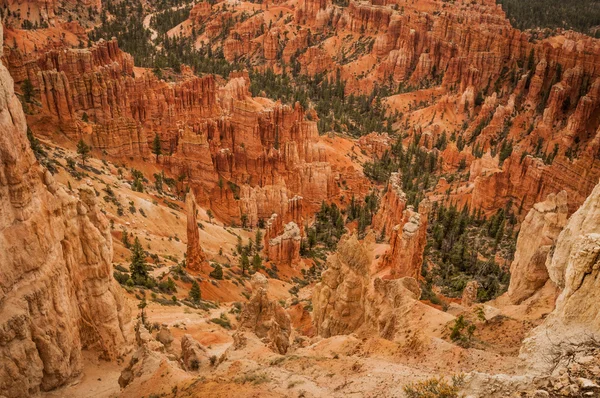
(57, 293)
(574, 267)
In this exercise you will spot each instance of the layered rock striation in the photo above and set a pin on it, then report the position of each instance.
(57, 292)
(242, 156)
(339, 299)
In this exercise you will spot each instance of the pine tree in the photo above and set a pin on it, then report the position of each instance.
(244, 262)
(139, 274)
(83, 150)
(195, 294)
(217, 273)
(156, 147)
(256, 262)
(239, 247)
(258, 241)
(27, 89)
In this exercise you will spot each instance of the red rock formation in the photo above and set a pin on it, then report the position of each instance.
(195, 257)
(240, 155)
(408, 239)
(285, 248)
(391, 208)
(375, 144)
(283, 234)
(200, 12)
(57, 292)
(529, 180)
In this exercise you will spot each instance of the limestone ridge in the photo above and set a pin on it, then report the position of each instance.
(57, 293)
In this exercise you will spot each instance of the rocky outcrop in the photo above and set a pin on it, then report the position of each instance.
(193, 355)
(195, 257)
(339, 299)
(408, 239)
(573, 266)
(494, 187)
(265, 317)
(469, 294)
(536, 238)
(348, 300)
(388, 302)
(57, 292)
(391, 208)
(285, 248)
(375, 144)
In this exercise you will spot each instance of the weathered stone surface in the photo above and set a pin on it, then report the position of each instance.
(193, 355)
(391, 208)
(469, 295)
(285, 248)
(538, 233)
(339, 299)
(408, 239)
(266, 317)
(573, 266)
(57, 293)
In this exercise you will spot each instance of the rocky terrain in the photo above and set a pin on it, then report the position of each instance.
(297, 198)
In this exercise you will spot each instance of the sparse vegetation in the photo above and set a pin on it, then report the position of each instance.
(435, 387)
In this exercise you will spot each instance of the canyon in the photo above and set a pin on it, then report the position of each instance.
(296, 198)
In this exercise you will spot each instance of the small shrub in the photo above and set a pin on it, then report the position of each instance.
(435, 387)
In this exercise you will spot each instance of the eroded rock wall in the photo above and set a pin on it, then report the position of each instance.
(574, 267)
(57, 293)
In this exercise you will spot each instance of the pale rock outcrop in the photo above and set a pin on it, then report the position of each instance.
(57, 292)
(148, 362)
(339, 299)
(348, 300)
(574, 266)
(195, 257)
(388, 303)
(538, 233)
(193, 355)
(164, 336)
(265, 317)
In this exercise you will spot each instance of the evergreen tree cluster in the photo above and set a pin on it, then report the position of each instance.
(354, 114)
(166, 20)
(250, 259)
(416, 164)
(463, 245)
(327, 229)
(127, 26)
(362, 212)
(579, 15)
